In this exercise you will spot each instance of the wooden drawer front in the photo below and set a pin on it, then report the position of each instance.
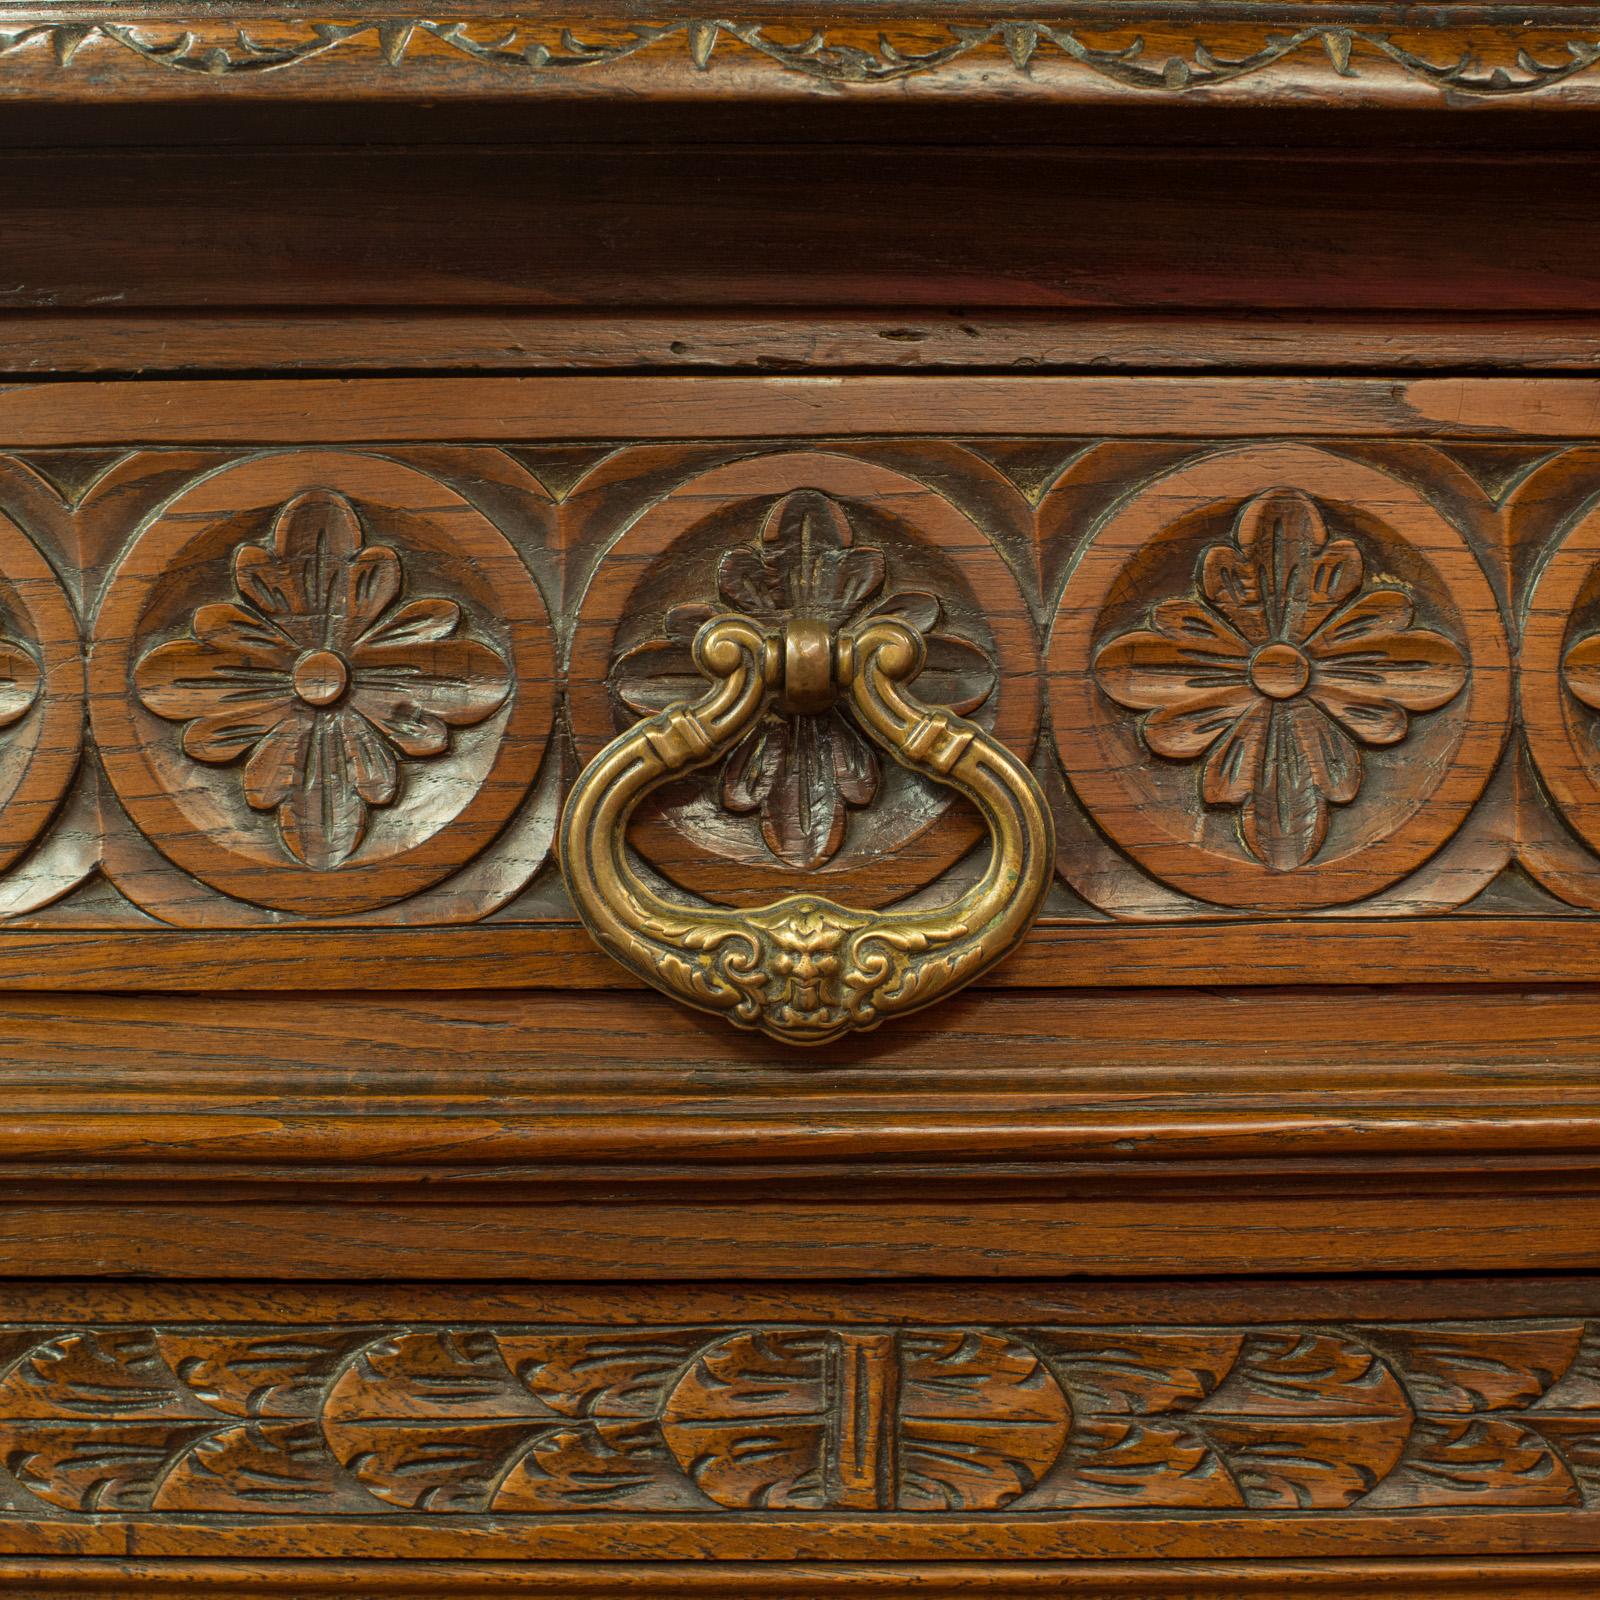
(1279, 651)
(1048, 1422)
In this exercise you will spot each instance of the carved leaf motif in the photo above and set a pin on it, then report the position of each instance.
(1306, 1420)
(1115, 1461)
(1578, 1388)
(432, 1374)
(452, 1466)
(604, 1465)
(100, 1374)
(1307, 1464)
(1477, 1461)
(1481, 1369)
(81, 1466)
(520, 1421)
(620, 1373)
(981, 1419)
(1304, 1373)
(377, 1415)
(802, 773)
(749, 1421)
(259, 1375)
(924, 1420)
(258, 1467)
(1115, 1372)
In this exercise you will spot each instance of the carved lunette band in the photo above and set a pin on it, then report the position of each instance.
(805, 969)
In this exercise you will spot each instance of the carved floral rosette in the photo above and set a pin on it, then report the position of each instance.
(837, 538)
(323, 684)
(1278, 684)
(1279, 679)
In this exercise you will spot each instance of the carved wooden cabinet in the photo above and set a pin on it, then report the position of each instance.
(801, 803)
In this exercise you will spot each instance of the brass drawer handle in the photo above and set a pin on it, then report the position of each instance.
(804, 969)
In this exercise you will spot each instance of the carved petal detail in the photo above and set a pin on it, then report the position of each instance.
(1277, 670)
(321, 677)
(802, 773)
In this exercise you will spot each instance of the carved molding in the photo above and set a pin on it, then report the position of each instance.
(1283, 679)
(188, 1419)
(1484, 58)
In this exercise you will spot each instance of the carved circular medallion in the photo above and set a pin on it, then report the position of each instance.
(1559, 674)
(1278, 678)
(41, 692)
(322, 681)
(831, 539)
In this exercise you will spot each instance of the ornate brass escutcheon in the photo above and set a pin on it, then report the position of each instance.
(804, 969)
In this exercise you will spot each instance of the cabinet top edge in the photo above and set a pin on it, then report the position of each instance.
(1041, 70)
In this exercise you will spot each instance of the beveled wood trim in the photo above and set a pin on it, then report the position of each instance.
(1486, 1578)
(1093, 1301)
(818, 1234)
(1156, 1093)
(435, 410)
(886, 339)
(806, 1539)
(1055, 955)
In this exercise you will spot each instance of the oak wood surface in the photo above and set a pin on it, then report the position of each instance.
(638, 1238)
(510, 227)
(229, 1148)
(1152, 1090)
(1504, 1578)
(1471, 1396)
(580, 409)
(41, 344)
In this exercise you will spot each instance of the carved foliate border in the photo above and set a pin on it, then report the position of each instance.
(1504, 55)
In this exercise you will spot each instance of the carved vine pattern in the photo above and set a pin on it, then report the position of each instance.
(1276, 670)
(511, 47)
(801, 771)
(321, 678)
(529, 1420)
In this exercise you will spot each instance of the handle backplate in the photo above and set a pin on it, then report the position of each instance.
(805, 969)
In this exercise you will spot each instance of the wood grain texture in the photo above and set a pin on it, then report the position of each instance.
(1156, 1091)
(109, 1232)
(1505, 1578)
(270, 754)
(791, 225)
(597, 409)
(286, 342)
(653, 1414)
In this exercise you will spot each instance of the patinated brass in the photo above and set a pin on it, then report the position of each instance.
(804, 969)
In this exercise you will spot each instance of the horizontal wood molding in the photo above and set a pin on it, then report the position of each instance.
(40, 343)
(1053, 1422)
(1482, 1578)
(1065, 54)
(1430, 808)
(583, 408)
(505, 1136)
(489, 227)
(57, 1230)
(1148, 1095)
(1055, 955)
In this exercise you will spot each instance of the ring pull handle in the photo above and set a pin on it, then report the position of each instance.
(805, 969)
